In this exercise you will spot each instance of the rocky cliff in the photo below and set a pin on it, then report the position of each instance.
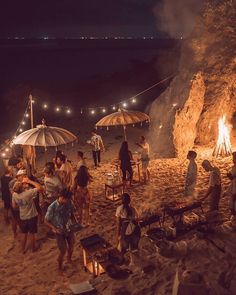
(204, 88)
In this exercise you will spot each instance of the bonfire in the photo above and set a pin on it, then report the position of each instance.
(223, 145)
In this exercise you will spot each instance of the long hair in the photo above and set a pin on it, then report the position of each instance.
(124, 150)
(82, 177)
(126, 204)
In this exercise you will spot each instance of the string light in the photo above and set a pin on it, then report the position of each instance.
(27, 115)
(58, 109)
(68, 111)
(124, 104)
(45, 106)
(104, 110)
(134, 100)
(92, 112)
(7, 150)
(20, 129)
(3, 154)
(114, 108)
(23, 122)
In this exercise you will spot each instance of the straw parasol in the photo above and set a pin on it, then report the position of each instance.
(123, 118)
(44, 136)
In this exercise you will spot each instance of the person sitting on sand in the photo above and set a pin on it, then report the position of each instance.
(28, 212)
(191, 176)
(125, 158)
(82, 196)
(58, 217)
(6, 194)
(128, 231)
(144, 145)
(214, 190)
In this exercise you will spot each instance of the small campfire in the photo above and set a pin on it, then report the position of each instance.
(223, 145)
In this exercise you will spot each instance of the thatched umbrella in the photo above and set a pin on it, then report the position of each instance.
(123, 118)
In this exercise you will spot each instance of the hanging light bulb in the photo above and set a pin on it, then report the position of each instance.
(68, 111)
(92, 112)
(104, 110)
(114, 108)
(45, 106)
(23, 122)
(124, 104)
(20, 129)
(27, 115)
(58, 109)
(134, 100)
(3, 154)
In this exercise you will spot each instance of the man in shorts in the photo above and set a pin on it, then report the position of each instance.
(24, 199)
(58, 217)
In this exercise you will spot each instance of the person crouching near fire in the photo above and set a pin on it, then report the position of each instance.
(57, 218)
(191, 176)
(214, 190)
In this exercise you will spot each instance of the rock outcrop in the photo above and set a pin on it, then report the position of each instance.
(204, 88)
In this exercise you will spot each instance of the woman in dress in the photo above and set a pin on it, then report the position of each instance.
(125, 158)
(82, 196)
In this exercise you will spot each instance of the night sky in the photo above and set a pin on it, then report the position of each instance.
(74, 18)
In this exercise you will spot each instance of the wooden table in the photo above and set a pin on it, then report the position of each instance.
(115, 188)
(93, 248)
(179, 211)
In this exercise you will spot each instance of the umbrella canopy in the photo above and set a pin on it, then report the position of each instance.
(123, 118)
(45, 136)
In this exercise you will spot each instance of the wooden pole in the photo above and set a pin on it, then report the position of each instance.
(31, 111)
(124, 129)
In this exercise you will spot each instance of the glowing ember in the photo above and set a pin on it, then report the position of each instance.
(223, 145)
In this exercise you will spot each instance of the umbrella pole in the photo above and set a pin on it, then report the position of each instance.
(124, 129)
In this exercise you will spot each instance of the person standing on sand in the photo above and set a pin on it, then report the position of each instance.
(6, 194)
(125, 158)
(145, 158)
(98, 146)
(28, 212)
(82, 196)
(191, 176)
(214, 190)
(58, 218)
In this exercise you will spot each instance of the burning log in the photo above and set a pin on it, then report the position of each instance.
(223, 145)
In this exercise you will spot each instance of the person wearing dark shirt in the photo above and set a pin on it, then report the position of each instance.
(125, 157)
(6, 194)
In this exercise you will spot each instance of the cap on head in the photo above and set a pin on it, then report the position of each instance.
(21, 172)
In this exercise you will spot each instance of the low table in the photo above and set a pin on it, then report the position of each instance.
(135, 165)
(117, 189)
(96, 254)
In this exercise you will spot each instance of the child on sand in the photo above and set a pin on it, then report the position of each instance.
(191, 176)
(58, 217)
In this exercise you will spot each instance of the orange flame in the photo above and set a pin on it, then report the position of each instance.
(223, 145)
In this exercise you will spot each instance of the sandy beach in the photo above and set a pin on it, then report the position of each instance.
(36, 273)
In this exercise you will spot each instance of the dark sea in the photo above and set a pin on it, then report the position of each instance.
(79, 74)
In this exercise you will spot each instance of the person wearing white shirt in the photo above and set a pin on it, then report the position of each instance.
(145, 157)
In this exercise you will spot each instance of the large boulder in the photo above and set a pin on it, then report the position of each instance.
(204, 88)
